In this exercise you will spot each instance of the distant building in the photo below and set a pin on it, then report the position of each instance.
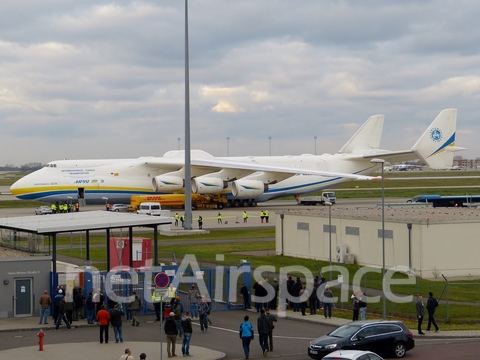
(466, 164)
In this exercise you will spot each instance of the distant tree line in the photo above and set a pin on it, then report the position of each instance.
(26, 167)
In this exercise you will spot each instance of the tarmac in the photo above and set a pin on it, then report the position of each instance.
(76, 351)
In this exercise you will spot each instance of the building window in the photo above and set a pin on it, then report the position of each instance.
(303, 226)
(334, 229)
(350, 230)
(388, 234)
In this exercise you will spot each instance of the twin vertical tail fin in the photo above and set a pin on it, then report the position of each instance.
(367, 137)
(436, 147)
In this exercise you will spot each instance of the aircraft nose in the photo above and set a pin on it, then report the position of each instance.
(19, 186)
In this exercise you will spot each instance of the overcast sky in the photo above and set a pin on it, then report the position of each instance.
(105, 79)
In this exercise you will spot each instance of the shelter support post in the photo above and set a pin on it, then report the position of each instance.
(130, 246)
(54, 255)
(108, 248)
(87, 245)
(155, 245)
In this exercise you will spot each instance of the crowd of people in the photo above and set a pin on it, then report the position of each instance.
(177, 321)
(315, 296)
(64, 207)
(72, 306)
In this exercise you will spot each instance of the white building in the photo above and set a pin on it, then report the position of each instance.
(429, 241)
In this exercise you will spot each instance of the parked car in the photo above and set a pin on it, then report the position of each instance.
(352, 355)
(43, 210)
(119, 208)
(383, 337)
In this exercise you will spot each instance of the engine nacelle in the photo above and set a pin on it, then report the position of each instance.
(208, 185)
(248, 188)
(167, 183)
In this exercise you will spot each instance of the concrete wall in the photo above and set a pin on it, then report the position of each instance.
(446, 248)
(37, 269)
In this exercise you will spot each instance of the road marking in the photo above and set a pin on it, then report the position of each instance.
(275, 336)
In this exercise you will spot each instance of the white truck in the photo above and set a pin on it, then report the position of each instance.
(327, 196)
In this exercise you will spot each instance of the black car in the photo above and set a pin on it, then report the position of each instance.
(383, 337)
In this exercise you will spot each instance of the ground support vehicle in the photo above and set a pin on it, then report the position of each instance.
(150, 208)
(210, 201)
(447, 201)
(327, 196)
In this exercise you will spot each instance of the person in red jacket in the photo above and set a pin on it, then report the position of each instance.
(103, 318)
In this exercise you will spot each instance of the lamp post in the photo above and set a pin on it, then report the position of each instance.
(330, 235)
(178, 143)
(106, 201)
(315, 144)
(382, 162)
(270, 146)
(228, 146)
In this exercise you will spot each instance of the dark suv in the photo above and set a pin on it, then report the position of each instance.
(383, 337)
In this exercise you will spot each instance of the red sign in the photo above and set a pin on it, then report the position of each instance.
(162, 280)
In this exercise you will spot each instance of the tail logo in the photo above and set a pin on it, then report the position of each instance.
(436, 134)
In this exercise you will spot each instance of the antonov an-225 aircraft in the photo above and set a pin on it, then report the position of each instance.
(246, 180)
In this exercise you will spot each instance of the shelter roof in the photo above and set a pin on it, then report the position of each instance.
(80, 221)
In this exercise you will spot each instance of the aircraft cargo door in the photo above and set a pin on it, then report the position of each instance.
(81, 196)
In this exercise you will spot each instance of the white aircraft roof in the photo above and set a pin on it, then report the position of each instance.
(81, 221)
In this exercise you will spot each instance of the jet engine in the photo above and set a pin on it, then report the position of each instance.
(208, 185)
(167, 183)
(248, 188)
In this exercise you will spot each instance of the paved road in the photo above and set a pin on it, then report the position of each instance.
(291, 339)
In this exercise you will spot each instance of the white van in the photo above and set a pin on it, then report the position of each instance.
(149, 208)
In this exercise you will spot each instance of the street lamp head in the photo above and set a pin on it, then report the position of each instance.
(104, 198)
(377, 161)
(328, 203)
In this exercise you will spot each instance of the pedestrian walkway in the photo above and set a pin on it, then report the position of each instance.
(76, 351)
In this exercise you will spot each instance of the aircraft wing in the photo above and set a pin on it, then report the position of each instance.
(214, 164)
(388, 156)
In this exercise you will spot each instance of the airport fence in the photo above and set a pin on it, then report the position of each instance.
(24, 241)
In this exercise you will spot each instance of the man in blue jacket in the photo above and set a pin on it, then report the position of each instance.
(246, 334)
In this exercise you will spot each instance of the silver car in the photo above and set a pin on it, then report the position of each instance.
(119, 208)
(43, 210)
(352, 355)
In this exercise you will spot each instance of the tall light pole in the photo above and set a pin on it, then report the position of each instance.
(315, 144)
(188, 161)
(106, 202)
(228, 146)
(382, 162)
(330, 235)
(270, 146)
(178, 145)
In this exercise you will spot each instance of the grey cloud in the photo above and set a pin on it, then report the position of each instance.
(75, 73)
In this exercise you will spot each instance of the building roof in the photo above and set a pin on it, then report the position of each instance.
(402, 213)
(80, 221)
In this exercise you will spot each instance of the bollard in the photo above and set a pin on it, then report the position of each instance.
(40, 335)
